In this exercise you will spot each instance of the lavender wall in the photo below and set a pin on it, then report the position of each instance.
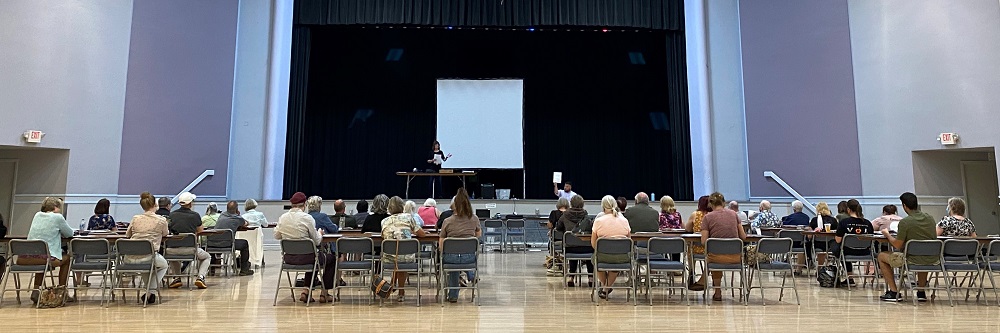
(799, 97)
(179, 95)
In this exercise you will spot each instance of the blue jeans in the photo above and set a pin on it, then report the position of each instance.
(459, 258)
(435, 182)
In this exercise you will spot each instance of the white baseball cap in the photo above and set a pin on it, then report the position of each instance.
(186, 198)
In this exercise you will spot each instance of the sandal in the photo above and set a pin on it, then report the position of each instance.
(306, 298)
(717, 297)
(325, 298)
(696, 287)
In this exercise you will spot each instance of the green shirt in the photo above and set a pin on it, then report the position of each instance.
(918, 226)
(50, 228)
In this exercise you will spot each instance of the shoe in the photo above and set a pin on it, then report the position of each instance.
(890, 296)
(602, 294)
(463, 282)
(341, 283)
(452, 300)
(34, 297)
(717, 297)
(921, 296)
(570, 284)
(696, 287)
(848, 282)
(150, 300)
(590, 284)
(200, 283)
(246, 272)
(300, 283)
(401, 297)
(176, 283)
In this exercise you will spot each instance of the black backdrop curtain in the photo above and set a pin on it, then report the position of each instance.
(354, 118)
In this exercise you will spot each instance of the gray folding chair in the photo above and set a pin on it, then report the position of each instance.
(779, 250)
(613, 246)
(570, 240)
(182, 241)
(227, 255)
(725, 246)
(298, 247)
(90, 256)
(660, 268)
(493, 229)
(962, 256)
(853, 242)
(353, 249)
(21, 247)
(989, 265)
(927, 248)
(459, 245)
(798, 247)
(399, 248)
(515, 230)
(122, 269)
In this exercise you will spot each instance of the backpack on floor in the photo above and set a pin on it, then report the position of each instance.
(827, 276)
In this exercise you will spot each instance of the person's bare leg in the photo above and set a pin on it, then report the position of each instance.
(800, 261)
(821, 259)
(611, 276)
(922, 279)
(887, 275)
(399, 278)
(716, 282)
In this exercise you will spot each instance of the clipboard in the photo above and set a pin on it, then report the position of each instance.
(556, 177)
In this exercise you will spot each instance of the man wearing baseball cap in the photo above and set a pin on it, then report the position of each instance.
(295, 225)
(185, 220)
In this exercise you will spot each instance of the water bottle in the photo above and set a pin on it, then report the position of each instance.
(83, 225)
(652, 196)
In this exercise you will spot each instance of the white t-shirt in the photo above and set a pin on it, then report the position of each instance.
(568, 195)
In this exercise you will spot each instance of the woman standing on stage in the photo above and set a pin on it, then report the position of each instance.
(437, 158)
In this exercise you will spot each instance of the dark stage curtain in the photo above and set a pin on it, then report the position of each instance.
(646, 14)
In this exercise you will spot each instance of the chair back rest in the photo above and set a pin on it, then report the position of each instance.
(400, 246)
(570, 240)
(854, 242)
(493, 224)
(298, 246)
(771, 246)
(355, 245)
(724, 246)
(89, 247)
(515, 224)
(769, 231)
(181, 241)
(994, 248)
(24, 247)
(794, 235)
(460, 245)
(135, 247)
(223, 236)
(961, 247)
(924, 248)
(614, 246)
(665, 245)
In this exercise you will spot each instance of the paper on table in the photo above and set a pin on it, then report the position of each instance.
(556, 177)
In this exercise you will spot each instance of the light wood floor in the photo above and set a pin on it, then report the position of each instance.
(517, 296)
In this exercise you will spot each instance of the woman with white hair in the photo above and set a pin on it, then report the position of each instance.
(314, 206)
(765, 219)
(211, 216)
(429, 213)
(254, 237)
(410, 207)
(956, 224)
(610, 225)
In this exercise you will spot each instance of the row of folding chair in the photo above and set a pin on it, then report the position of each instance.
(504, 234)
(955, 257)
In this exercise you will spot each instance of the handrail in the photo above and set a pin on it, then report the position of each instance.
(808, 205)
(207, 173)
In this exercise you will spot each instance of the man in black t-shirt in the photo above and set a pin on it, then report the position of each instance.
(855, 226)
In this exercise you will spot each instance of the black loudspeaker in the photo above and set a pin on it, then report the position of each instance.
(486, 191)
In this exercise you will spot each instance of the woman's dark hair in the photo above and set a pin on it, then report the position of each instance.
(362, 206)
(855, 206)
(842, 207)
(889, 209)
(103, 207)
(436, 143)
(703, 204)
(622, 203)
(463, 208)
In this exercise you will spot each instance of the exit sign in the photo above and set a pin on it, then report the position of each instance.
(33, 136)
(948, 138)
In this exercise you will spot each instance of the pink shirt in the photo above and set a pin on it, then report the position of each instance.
(429, 215)
(611, 226)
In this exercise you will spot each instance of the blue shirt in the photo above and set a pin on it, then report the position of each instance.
(50, 228)
(323, 222)
(798, 218)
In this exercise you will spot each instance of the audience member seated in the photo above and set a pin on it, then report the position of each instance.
(410, 207)
(855, 224)
(340, 218)
(842, 210)
(232, 220)
(252, 216)
(296, 224)
(956, 224)
(49, 226)
(612, 224)
(561, 206)
(917, 225)
(184, 220)
(429, 213)
(211, 216)
(165, 205)
(577, 220)
(669, 217)
(797, 218)
(362, 214)
(399, 225)
(373, 222)
(255, 238)
(694, 225)
(101, 220)
(314, 206)
(765, 219)
(623, 204)
(446, 214)
(887, 219)
(735, 206)
(818, 224)
(721, 223)
(464, 223)
(152, 227)
(641, 217)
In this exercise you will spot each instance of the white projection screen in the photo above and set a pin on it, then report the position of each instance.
(479, 122)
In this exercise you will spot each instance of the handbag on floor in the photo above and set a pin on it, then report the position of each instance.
(827, 276)
(380, 286)
(52, 297)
